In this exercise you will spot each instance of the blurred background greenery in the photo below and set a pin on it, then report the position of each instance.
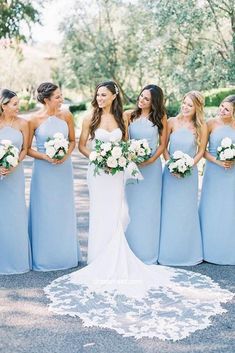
(179, 45)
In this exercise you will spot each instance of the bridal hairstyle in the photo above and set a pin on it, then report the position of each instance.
(116, 108)
(45, 90)
(5, 97)
(198, 118)
(230, 99)
(158, 109)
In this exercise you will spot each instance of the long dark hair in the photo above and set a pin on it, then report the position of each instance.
(5, 97)
(116, 108)
(45, 90)
(158, 109)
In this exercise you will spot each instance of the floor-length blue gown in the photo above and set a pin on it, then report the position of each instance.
(180, 240)
(14, 240)
(144, 198)
(52, 223)
(217, 205)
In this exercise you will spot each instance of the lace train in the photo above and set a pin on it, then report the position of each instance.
(117, 291)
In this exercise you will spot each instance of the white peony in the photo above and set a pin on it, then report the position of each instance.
(182, 168)
(219, 149)
(141, 152)
(122, 161)
(50, 151)
(106, 146)
(6, 142)
(116, 152)
(228, 153)
(178, 154)
(112, 162)
(58, 135)
(226, 142)
(57, 144)
(93, 156)
(222, 156)
(12, 161)
(145, 143)
(103, 153)
(188, 160)
(15, 151)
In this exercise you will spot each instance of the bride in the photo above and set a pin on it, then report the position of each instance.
(116, 290)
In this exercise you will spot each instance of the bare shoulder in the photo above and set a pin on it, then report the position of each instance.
(172, 121)
(212, 123)
(23, 123)
(87, 120)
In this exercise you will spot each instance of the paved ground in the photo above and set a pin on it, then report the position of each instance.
(28, 327)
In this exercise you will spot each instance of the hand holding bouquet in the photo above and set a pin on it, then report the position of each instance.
(9, 155)
(56, 147)
(180, 163)
(226, 151)
(139, 150)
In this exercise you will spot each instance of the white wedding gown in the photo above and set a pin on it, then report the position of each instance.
(117, 291)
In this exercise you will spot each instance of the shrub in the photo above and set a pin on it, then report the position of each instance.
(214, 97)
(77, 107)
(173, 109)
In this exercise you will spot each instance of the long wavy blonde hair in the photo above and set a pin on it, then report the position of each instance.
(198, 118)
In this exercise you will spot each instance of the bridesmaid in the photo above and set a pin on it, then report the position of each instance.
(52, 224)
(217, 205)
(180, 242)
(14, 240)
(147, 121)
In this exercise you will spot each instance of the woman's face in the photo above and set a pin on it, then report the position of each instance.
(145, 101)
(104, 97)
(56, 99)
(188, 108)
(226, 110)
(12, 107)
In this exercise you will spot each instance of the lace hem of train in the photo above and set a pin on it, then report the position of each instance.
(170, 312)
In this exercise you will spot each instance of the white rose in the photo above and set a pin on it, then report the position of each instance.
(122, 161)
(179, 163)
(222, 156)
(58, 135)
(188, 160)
(219, 149)
(57, 144)
(182, 168)
(178, 154)
(12, 161)
(61, 153)
(103, 153)
(226, 142)
(141, 152)
(6, 142)
(228, 153)
(116, 152)
(106, 146)
(93, 156)
(171, 167)
(112, 162)
(145, 143)
(50, 151)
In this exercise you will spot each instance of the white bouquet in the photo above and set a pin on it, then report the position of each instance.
(56, 147)
(180, 163)
(9, 155)
(139, 150)
(109, 157)
(226, 150)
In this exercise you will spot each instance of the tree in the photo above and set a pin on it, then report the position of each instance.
(12, 14)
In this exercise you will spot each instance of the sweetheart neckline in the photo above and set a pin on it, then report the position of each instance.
(109, 132)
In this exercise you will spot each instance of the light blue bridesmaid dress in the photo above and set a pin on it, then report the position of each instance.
(180, 241)
(14, 240)
(52, 219)
(217, 205)
(144, 198)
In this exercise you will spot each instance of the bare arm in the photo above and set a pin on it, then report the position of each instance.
(32, 152)
(202, 147)
(24, 128)
(84, 137)
(162, 144)
(166, 154)
(211, 158)
(127, 119)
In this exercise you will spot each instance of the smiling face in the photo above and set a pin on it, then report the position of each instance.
(11, 107)
(226, 110)
(145, 100)
(56, 99)
(104, 97)
(188, 108)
